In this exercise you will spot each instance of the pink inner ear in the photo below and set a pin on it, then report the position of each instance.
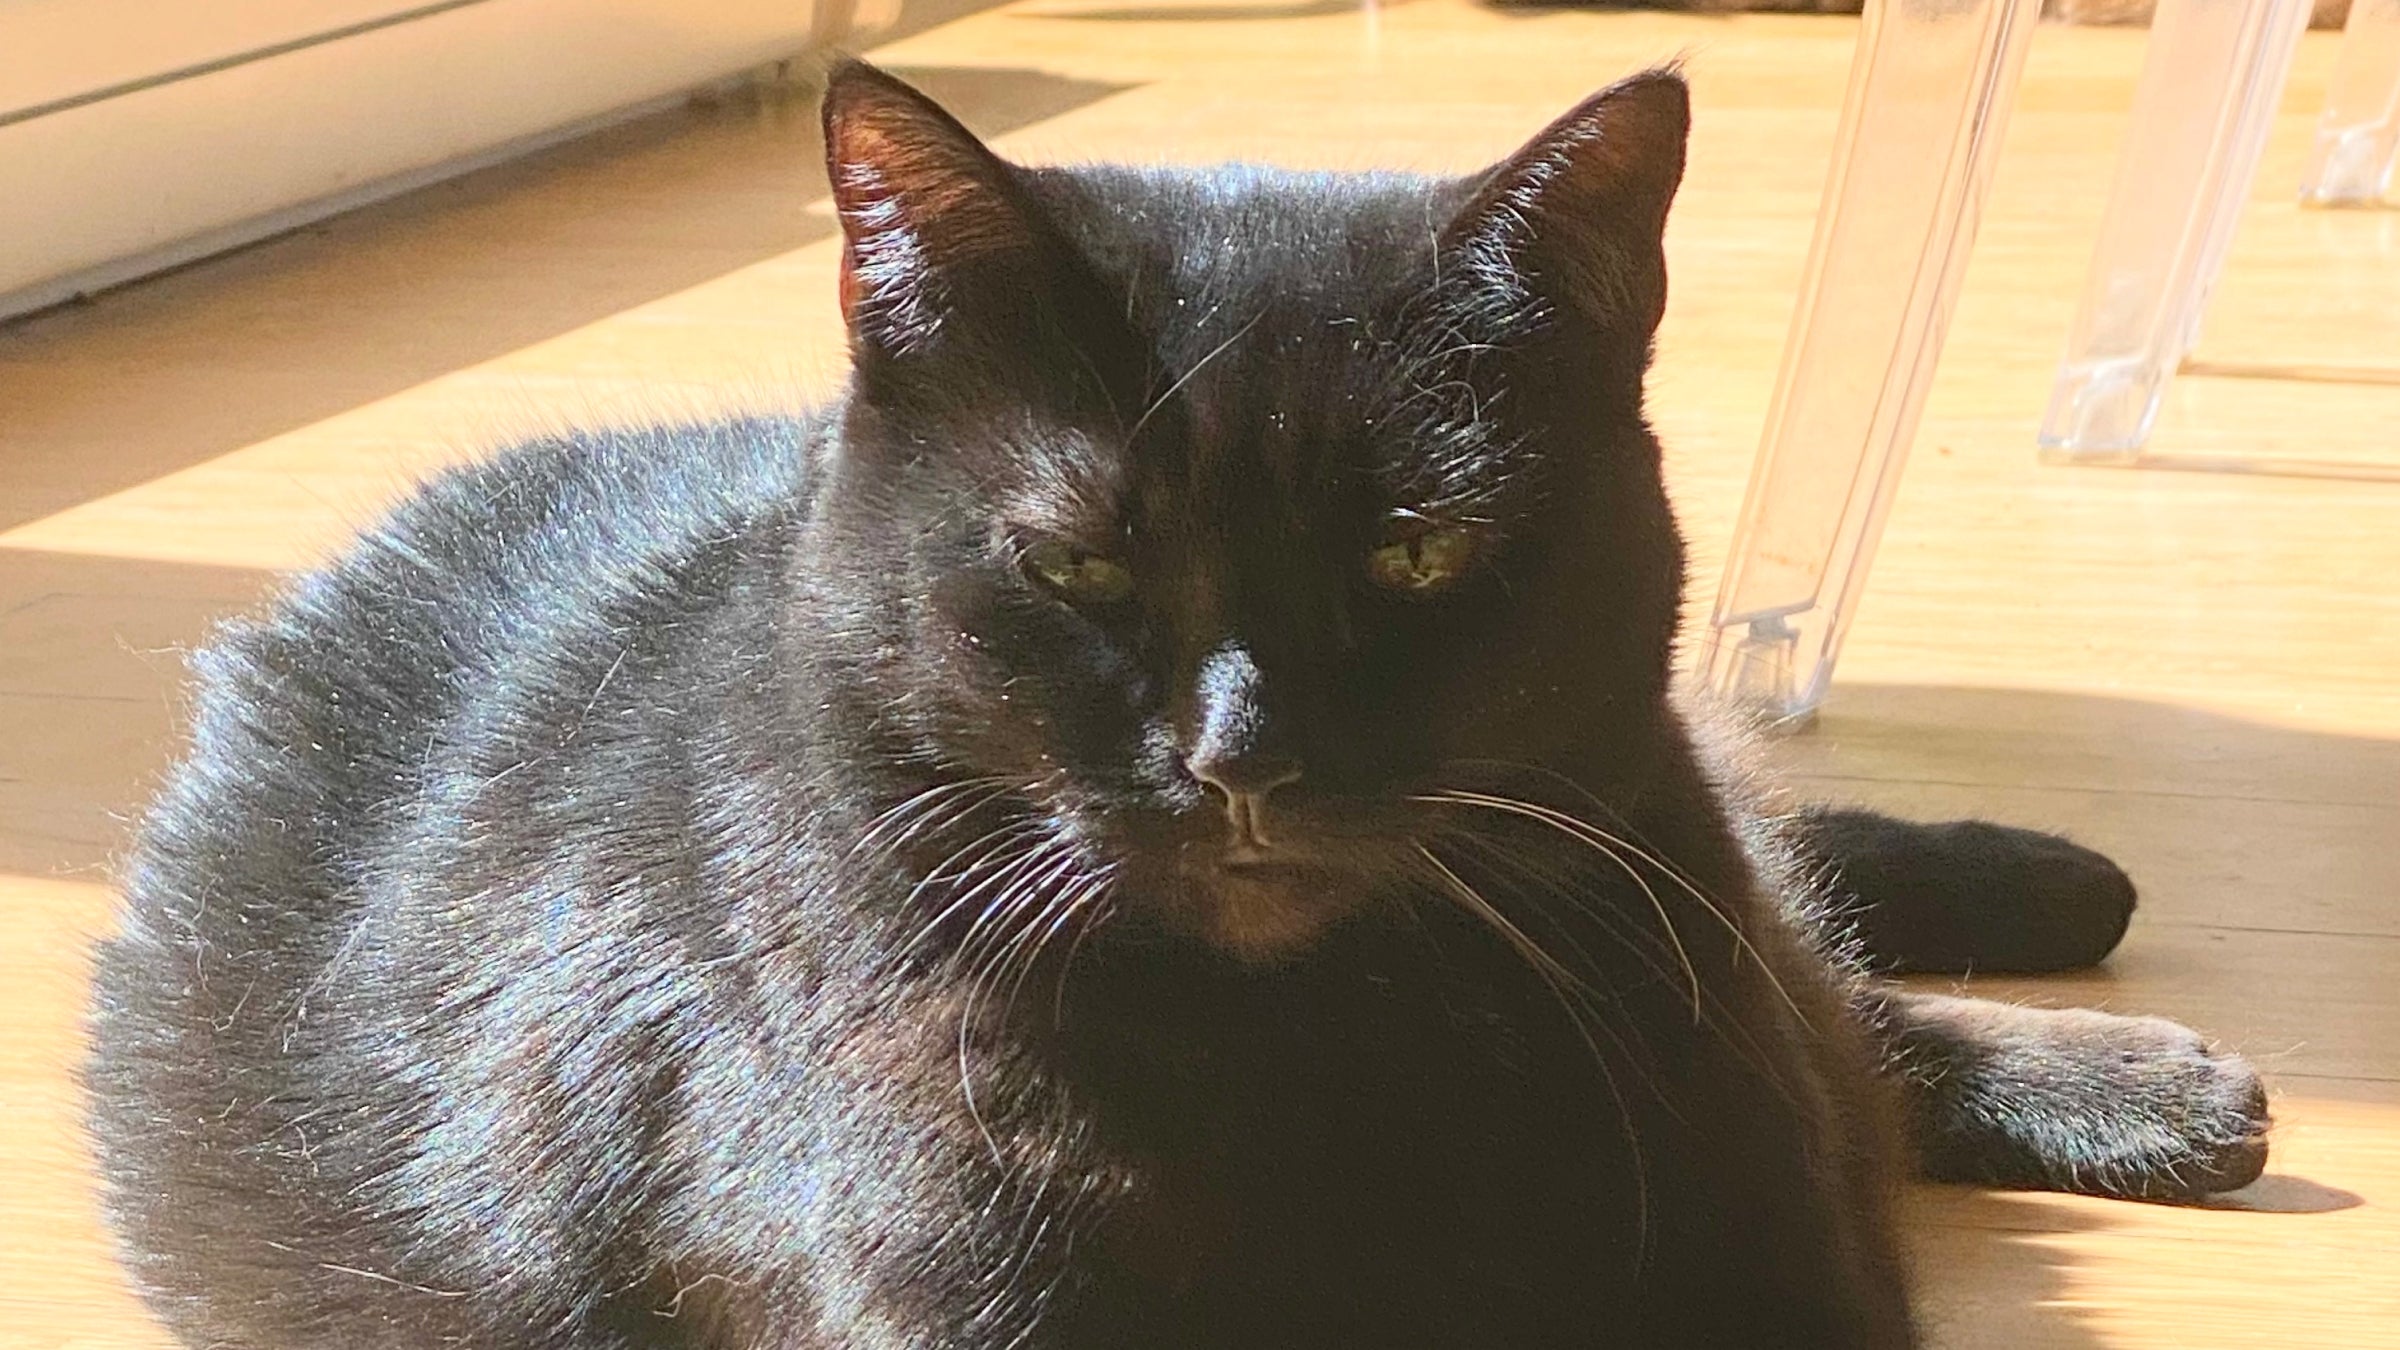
(913, 171)
(849, 285)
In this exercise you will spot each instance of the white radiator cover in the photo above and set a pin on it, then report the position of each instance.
(139, 134)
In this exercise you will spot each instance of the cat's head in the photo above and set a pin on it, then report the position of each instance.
(1220, 514)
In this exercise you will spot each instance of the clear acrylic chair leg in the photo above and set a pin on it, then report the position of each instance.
(2358, 138)
(1931, 87)
(2201, 112)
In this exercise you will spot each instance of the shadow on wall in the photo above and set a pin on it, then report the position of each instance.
(236, 349)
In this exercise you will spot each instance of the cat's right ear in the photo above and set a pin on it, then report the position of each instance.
(929, 215)
(1582, 208)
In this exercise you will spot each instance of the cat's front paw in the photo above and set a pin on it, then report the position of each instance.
(2074, 1100)
(2193, 1120)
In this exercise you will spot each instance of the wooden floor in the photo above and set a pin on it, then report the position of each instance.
(2199, 673)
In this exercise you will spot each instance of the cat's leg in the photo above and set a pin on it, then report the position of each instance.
(2069, 1099)
(1997, 1094)
(1967, 894)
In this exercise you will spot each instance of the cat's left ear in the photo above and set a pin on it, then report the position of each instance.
(930, 216)
(1582, 209)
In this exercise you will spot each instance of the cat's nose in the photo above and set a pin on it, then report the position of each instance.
(1240, 749)
(1244, 780)
(1248, 774)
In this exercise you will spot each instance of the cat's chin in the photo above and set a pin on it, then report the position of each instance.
(1264, 914)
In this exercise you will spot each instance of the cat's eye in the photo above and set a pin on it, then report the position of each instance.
(1077, 575)
(1418, 555)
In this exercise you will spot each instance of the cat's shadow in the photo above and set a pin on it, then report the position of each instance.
(2258, 850)
(2283, 1193)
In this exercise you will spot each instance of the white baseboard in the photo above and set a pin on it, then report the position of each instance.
(157, 172)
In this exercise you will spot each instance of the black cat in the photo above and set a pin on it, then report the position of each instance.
(1158, 821)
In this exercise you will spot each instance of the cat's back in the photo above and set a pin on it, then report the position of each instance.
(495, 584)
(330, 737)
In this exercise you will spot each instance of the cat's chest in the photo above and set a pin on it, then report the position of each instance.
(1427, 1189)
(1295, 1090)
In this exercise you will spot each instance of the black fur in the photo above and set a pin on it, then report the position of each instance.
(1968, 895)
(719, 886)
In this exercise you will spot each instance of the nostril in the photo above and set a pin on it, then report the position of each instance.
(1251, 774)
(1243, 782)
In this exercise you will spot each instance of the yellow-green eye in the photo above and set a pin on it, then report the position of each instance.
(1076, 575)
(1422, 557)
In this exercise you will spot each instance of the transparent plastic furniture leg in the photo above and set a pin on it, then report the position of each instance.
(2207, 95)
(2358, 138)
(1930, 91)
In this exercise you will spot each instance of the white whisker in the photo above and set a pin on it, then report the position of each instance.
(1557, 978)
(1691, 972)
(983, 975)
(1604, 842)
(1638, 942)
(1186, 377)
